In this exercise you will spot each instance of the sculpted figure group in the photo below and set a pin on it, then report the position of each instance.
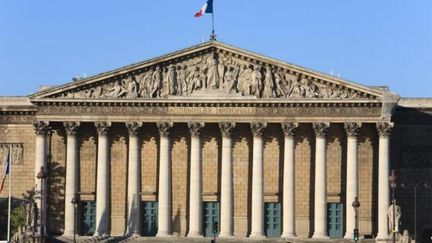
(215, 71)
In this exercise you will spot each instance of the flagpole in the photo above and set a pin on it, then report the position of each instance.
(9, 194)
(213, 35)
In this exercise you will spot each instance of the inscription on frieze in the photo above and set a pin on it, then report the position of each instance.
(204, 110)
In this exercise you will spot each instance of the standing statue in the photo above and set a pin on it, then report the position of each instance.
(194, 80)
(212, 73)
(231, 79)
(145, 84)
(269, 90)
(132, 88)
(156, 86)
(172, 80)
(397, 216)
(255, 85)
(244, 79)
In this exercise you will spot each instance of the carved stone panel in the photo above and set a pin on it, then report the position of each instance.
(17, 153)
(215, 70)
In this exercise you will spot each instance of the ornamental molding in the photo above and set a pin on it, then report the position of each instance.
(211, 70)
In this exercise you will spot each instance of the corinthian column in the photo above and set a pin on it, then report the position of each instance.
(164, 194)
(41, 130)
(195, 185)
(134, 182)
(320, 219)
(71, 176)
(102, 184)
(257, 226)
(226, 221)
(289, 129)
(384, 129)
(352, 130)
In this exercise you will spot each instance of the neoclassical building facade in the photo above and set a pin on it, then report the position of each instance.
(216, 137)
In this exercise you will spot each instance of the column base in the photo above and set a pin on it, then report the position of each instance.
(349, 236)
(163, 234)
(289, 235)
(320, 236)
(195, 235)
(257, 235)
(382, 236)
(226, 235)
(68, 233)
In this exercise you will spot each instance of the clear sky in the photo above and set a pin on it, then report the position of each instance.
(372, 42)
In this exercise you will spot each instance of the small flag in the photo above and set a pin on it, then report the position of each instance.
(6, 173)
(206, 8)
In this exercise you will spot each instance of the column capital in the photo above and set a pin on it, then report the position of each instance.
(133, 127)
(257, 128)
(71, 128)
(41, 127)
(320, 128)
(164, 128)
(102, 127)
(226, 128)
(352, 129)
(289, 128)
(195, 128)
(384, 128)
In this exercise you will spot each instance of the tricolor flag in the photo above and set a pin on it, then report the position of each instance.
(206, 8)
(6, 172)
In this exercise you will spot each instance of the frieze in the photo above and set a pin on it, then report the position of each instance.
(213, 70)
(17, 153)
(306, 111)
(16, 118)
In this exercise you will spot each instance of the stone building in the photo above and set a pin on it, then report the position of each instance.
(216, 135)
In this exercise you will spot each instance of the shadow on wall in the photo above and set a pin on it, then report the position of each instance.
(55, 196)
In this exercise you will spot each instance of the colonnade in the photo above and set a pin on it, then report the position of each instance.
(226, 199)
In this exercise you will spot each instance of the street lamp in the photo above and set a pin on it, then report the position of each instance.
(75, 201)
(42, 175)
(407, 184)
(356, 205)
(392, 180)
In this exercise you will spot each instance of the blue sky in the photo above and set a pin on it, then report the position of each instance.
(372, 42)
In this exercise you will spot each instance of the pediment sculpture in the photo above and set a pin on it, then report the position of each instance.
(213, 71)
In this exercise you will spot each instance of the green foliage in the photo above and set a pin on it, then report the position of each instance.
(18, 217)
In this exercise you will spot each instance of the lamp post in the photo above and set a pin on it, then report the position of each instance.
(392, 180)
(407, 184)
(42, 175)
(74, 201)
(356, 205)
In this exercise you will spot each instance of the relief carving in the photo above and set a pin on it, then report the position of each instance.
(17, 153)
(220, 71)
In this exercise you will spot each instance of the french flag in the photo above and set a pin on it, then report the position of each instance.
(206, 8)
(6, 172)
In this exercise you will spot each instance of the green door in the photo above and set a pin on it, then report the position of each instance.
(335, 220)
(272, 219)
(210, 218)
(149, 218)
(88, 217)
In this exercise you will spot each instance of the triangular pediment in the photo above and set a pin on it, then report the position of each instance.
(212, 70)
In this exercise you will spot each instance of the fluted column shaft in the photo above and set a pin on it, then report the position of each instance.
(102, 182)
(320, 206)
(288, 230)
(41, 129)
(384, 130)
(164, 194)
(257, 226)
(134, 181)
(226, 220)
(195, 185)
(71, 189)
(352, 130)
